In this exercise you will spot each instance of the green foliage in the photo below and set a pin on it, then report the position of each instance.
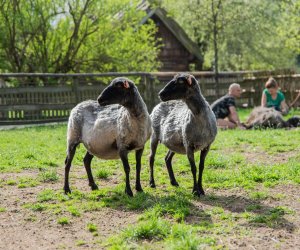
(289, 31)
(249, 35)
(76, 36)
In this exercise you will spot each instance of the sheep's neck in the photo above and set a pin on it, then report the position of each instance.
(196, 103)
(136, 108)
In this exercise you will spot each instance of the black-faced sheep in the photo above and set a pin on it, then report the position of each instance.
(120, 123)
(184, 123)
(262, 117)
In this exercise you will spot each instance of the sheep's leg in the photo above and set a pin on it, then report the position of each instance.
(201, 168)
(190, 155)
(87, 164)
(138, 157)
(168, 160)
(68, 161)
(124, 158)
(153, 146)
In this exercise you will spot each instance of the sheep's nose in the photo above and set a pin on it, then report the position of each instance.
(161, 93)
(100, 100)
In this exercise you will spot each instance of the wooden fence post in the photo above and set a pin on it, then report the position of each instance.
(76, 89)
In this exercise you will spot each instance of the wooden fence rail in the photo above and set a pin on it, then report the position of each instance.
(50, 97)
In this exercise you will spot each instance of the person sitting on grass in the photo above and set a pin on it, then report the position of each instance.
(225, 109)
(272, 97)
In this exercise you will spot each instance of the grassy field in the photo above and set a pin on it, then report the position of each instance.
(251, 179)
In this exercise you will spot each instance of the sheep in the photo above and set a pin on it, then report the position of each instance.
(262, 117)
(109, 128)
(184, 123)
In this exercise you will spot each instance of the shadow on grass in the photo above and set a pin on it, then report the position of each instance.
(180, 205)
(177, 206)
(260, 215)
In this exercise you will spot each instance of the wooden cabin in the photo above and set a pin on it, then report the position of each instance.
(178, 51)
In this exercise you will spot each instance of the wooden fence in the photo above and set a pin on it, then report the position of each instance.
(50, 97)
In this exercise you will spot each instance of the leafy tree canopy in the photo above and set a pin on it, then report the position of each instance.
(75, 36)
(250, 34)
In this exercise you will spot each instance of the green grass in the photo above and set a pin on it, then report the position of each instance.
(80, 243)
(63, 221)
(253, 162)
(102, 173)
(46, 195)
(48, 176)
(73, 210)
(92, 227)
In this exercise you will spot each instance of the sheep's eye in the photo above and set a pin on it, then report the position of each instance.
(119, 84)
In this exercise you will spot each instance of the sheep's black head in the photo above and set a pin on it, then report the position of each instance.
(119, 91)
(180, 87)
(294, 121)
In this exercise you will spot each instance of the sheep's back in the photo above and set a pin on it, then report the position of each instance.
(265, 117)
(176, 127)
(166, 110)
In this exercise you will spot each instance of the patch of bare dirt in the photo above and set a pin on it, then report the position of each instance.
(284, 233)
(256, 157)
(21, 228)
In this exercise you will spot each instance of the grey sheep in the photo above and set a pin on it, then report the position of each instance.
(262, 117)
(120, 123)
(184, 123)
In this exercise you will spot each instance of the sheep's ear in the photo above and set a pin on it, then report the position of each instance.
(189, 80)
(126, 84)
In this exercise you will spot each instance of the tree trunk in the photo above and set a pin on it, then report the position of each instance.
(215, 40)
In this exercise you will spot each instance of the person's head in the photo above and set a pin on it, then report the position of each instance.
(235, 90)
(271, 85)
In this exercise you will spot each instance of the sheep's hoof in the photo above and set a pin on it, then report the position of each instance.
(198, 192)
(94, 186)
(67, 190)
(201, 190)
(174, 183)
(152, 184)
(128, 192)
(139, 189)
